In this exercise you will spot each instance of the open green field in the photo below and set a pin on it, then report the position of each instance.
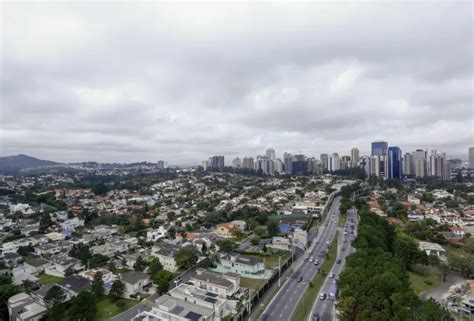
(47, 279)
(271, 261)
(422, 280)
(107, 309)
(254, 284)
(306, 303)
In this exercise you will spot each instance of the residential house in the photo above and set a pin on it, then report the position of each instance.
(225, 285)
(245, 266)
(62, 263)
(135, 282)
(23, 307)
(166, 253)
(226, 230)
(37, 265)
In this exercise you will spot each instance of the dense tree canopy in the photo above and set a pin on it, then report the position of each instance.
(375, 283)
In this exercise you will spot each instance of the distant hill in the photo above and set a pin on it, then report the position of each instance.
(19, 162)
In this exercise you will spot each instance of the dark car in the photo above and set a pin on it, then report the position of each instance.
(338, 261)
(300, 279)
(316, 317)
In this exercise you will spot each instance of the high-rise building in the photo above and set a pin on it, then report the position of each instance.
(314, 166)
(205, 164)
(299, 165)
(438, 166)
(333, 162)
(264, 164)
(471, 157)
(237, 162)
(278, 166)
(248, 163)
(345, 162)
(408, 165)
(364, 162)
(270, 153)
(287, 161)
(217, 162)
(375, 166)
(324, 161)
(355, 154)
(419, 163)
(161, 164)
(379, 148)
(394, 165)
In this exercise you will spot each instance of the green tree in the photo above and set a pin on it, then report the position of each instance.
(7, 289)
(25, 250)
(162, 280)
(97, 285)
(226, 246)
(83, 307)
(140, 264)
(117, 290)
(155, 266)
(186, 257)
(54, 297)
(272, 228)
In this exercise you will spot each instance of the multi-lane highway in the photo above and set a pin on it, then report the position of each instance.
(324, 306)
(284, 303)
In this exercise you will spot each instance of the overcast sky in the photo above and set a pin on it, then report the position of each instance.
(180, 82)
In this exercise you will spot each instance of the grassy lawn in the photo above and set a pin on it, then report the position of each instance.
(47, 279)
(342, 220)
(254, 284)
(422, 280)
(306, 303)
(107, 309)
(271, 261)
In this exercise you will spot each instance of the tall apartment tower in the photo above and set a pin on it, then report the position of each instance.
(270, 154)
(217, 162)
(355, 154)
(237, 162)
(288, 162)
(419, 163)
(408, 165)
(248, 162)
(324, 161)
(471, 157)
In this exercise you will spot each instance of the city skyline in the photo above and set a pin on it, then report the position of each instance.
(236, 80)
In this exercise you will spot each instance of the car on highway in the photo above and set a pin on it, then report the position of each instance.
(316, 262)
(343, 249)
(338, 261)
(327, 243)
(322, 296)
(311, 259)
(316, 317)
(331, 275)
(300, 279)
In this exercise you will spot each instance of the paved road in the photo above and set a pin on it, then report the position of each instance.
(325, 307)
(283, 305)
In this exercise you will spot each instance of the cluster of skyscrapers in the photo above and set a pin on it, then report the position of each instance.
(385, 161)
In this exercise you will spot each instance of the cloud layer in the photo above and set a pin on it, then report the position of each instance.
(179, 82)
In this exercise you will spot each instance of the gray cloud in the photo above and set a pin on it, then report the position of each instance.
(149, 81)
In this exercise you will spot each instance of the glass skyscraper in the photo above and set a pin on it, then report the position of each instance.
(379, 148)
(394, 163)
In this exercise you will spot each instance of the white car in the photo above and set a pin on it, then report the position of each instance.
(331, 275)
(311, 259)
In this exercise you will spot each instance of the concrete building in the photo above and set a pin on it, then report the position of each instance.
(217, 162)
(237, 162)
(471, 157)
(270, 153)
(225, 285)
(364, 162)
(419, 163)
(244, 266)
(288, 162)
(23, 307)
(248, 163)
(408, 165)
(333, 162)
(355, 155)
(324, 161)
